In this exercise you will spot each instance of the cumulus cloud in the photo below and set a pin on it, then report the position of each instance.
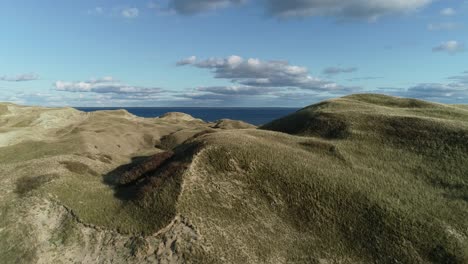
(190, 7)
(235, 96)
(103, 86)
(160, 9)
(238, 95)
(451, 47)
(448, 11)
(437, 91)
(367, 9)
(237, 90)
(461, 79)
(454, 91)
(20, 78)
(361, 9)
(258, 73)
(339, 70)
(118, 11)
(130, 12)
(187, 61)
(443, 26)
(274, 81)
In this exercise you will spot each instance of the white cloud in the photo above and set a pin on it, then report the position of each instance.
(161, 9)
(237, 90)
(368, 9)
(130, 12)
(461, 80)
(361, 9)
(257, 73)
(229, 95)
(274, 81)
(190, 7)
(20, 78)
(437, 91)
(448, 11)
(105, 85)
(451, 47)
(187, 61)
(454, 91)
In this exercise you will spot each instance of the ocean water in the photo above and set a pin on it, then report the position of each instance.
(255, 116)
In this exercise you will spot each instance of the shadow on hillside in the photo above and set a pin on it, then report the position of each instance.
(149, 175)
(150, 186)
(112, 179)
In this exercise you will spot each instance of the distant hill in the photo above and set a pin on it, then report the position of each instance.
(232, 124)
(359, 179)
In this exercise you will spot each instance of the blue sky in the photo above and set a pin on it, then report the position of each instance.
(230, 52)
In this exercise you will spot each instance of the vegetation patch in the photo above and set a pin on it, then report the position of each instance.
(321, 146)
(400, 197)
(159, 191)
(390, 101)
(29, 150)
(232, 124)
(79, 168)
(149, 189)
(168, 142)
(204, 132)
(148, 139)
(27, 184)
(422, 134)
(150, 164)
(173, 140)
(308, 123)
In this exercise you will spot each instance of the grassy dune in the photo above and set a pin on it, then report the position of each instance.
(463, 106)
(364, 178)
(359, 179)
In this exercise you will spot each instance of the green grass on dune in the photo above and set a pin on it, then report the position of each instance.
(30, 150)
(465, 107)
(375, 205)
(394, 189)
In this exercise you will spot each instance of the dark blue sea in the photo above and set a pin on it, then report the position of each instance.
(255, 116)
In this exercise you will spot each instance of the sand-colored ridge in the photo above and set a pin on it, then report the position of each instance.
(232, 124)
(177, 116)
